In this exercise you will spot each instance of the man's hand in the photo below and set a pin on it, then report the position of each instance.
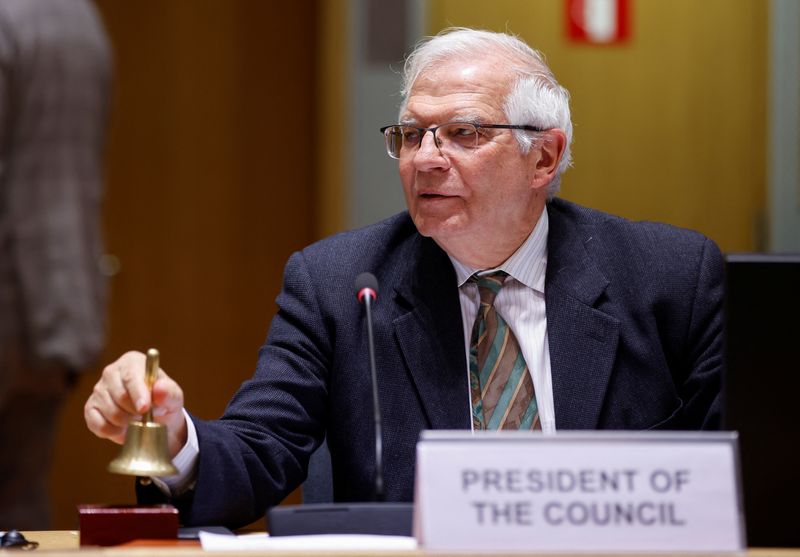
(121, 396)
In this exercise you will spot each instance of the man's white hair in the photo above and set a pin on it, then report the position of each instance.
(534, 99)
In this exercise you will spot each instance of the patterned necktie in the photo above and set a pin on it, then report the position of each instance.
(502, 389)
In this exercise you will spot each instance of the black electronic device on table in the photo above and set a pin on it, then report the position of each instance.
(761, 390)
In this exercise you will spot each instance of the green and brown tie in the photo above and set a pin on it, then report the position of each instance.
(502, 388)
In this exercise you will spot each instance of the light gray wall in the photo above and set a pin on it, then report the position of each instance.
(783, 179)
(374, 186)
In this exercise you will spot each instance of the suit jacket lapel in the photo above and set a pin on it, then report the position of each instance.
(582, 339)
(430, 335)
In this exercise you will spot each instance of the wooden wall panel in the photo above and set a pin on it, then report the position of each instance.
(210, 187)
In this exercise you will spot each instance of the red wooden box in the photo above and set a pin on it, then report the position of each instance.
(116, 524)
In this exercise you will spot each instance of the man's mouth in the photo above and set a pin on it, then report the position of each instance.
(429, 195)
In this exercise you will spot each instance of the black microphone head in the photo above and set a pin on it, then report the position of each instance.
(366, 281)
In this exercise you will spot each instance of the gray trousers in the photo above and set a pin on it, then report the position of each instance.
(30, 404)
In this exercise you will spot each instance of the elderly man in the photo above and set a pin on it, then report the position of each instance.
(501, 307)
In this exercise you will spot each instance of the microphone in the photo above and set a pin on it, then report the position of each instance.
(366, 286)
(367, 293)
(377, 517)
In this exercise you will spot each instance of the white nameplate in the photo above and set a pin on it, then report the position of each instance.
(578, 492)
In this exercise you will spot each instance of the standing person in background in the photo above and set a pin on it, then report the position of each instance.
(55, 70)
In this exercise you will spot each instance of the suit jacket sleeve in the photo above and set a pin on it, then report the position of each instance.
(700, 389)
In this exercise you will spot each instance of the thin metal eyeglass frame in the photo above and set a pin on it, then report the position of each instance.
(434, 128)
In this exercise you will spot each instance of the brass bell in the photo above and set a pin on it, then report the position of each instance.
(145, 452)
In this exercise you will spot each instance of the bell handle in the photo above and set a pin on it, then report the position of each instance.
(150, 374)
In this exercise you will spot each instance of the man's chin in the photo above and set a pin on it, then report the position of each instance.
(438, 227)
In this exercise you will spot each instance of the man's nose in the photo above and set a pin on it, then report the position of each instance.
(429, 156)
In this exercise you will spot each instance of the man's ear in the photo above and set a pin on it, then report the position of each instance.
(549, 146)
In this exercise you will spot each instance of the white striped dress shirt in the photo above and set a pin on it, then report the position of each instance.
(520, 302)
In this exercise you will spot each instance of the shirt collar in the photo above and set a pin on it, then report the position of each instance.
(527, 265)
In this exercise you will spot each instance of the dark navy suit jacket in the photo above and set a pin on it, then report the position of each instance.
(634, 325)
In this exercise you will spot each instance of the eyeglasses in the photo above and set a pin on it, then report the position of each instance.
(453, 137)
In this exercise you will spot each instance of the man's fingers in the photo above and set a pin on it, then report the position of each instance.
(124, 379)
(122, 395)
(119, 397)
(111, 387)
(132, 379)
(113, 413)
(101, 427)
(167, 395)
